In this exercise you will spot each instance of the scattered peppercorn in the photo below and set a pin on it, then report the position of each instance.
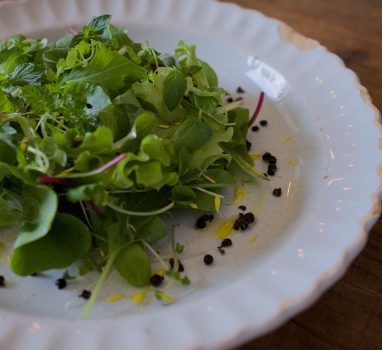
(243, 226)
(229, 99)
(249, 218)
(208, 259)
(272, 160)
(61, 283)
(255, 128)
(180, 267)
(86, 294)
(226, 242)
(266, 156)
(221, 250)
(236, 226)
(88, 105)
(201, 223)
(240, 90)
(263, 123)
(248, 144)
(2, 281)
(277, 192)
(271, 169)
(242, 207)
(156, 280)
(171, 262)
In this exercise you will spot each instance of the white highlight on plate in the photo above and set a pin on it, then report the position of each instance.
(267, 78)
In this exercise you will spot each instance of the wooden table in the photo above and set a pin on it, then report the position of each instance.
(349, 315)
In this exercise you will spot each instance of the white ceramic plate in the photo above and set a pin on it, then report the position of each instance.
(325, 133)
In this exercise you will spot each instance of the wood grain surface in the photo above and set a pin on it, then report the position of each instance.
(349, 315)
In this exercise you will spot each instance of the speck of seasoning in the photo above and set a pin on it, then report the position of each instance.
(156, 280)
(208, 259)
(263, 123)
(272, 160)
(248, 144)
(88, 105)
(85, 294)
(239, 99)
(181, 267)
(229, 99)
(236, 226)
(210, 217)
(255, 128)
(61, 283)
(171, 262)
(266, 156)
(242, 207)
(277, 192)
(271, 170)
(240, 90)
(243, 226)
(201, 223)
(226, 242)
(249, 218)
(2, 281)
(221, 250)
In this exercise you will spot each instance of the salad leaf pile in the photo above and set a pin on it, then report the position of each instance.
(99, 136)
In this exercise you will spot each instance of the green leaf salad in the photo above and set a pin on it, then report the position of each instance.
(99, 136)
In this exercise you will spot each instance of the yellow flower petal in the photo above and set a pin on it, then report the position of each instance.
(240, 194)
(217, 202)
(116, 297)
(138, 297)
(225, 230)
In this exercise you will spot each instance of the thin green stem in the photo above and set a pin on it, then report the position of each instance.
(93, 298)
(140, 213)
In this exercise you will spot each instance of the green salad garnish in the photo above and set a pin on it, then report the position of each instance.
(99, 136)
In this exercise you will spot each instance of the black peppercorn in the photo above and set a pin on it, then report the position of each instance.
(240, 90)
(2, 281)
(226, 242)
(242, 207)
(266, 156)
(255, 128)
(277, 192)
(263, 123)
(200, 223)
(249, 218)
(243, 226)
(156, 280)
(248, 144)
(272, 160)
(61, 283)
(208, 259)
(86, 294)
